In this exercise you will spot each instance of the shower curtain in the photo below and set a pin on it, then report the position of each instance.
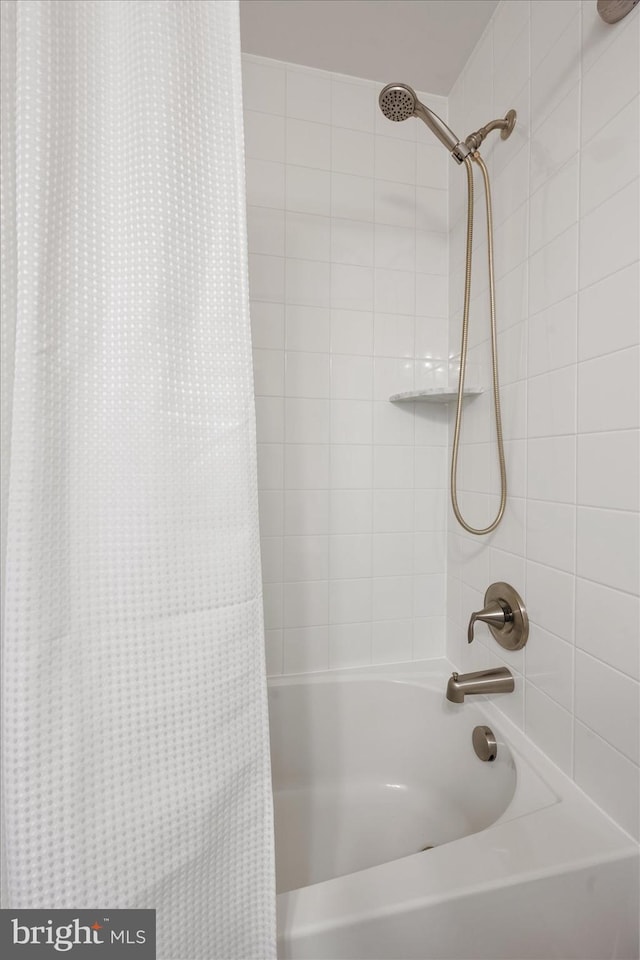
(135, 737)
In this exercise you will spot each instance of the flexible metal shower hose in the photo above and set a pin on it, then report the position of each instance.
(463, 352)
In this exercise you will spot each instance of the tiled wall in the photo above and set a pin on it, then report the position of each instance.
(348, 221)
(567, 235)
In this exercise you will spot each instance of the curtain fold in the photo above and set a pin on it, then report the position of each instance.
(135, 736)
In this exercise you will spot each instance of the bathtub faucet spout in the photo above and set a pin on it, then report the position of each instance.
(498, 680)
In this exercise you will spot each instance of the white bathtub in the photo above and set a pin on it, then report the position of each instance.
(370, 767)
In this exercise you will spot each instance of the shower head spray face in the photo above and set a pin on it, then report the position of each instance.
(397, 101)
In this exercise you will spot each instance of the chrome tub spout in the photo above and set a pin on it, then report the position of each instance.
(498, 680)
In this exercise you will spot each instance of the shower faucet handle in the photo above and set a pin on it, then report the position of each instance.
(506, 616)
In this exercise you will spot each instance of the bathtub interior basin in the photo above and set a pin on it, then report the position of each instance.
(365, 772)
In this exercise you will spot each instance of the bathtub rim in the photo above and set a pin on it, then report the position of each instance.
(561, 837)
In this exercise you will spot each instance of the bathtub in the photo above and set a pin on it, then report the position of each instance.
(394, 840)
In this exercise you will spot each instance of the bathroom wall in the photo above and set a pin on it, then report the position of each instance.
(567, 235)
(348, 221)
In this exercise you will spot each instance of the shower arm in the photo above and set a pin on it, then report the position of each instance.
(506, 126)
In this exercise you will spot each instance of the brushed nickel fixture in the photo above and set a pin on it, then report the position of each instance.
(461, 685)
(398, 102)
(506, 616)
(613, 10)
(484, 743)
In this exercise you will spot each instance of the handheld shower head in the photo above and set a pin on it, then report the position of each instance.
(398, 101)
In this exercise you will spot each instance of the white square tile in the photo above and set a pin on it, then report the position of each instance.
(608, 395)
(509, 19)
(429, 638)
(609, 547)
(552, 337)
(308, 190)
(551, 534)
(266, 277)
(395, 204)
(429, 510)
(432, 166)
(548, 22)
(392, 511)
(308, 282)
(512, 185)
(512, 67)
(307, 375)
(273, 652)
(308, 237)
(557, 72)
(352, 242)
(609, 778)
(392, 467)
(554, 206)
(272, 604)
(393, 335)
(267, 325)
(551, 403)
(271, 513)
(429, 595)
(430, 467)
(352, 332)
(306, 466)
(351, 287)
(351, 466)
(432, 210)
(306, 513)
(512, 350)
(608, 702)
(308, 144)
(306, 649)
(351, 377)
(618, 298)
(308, 94)
(609, 161)
(350, 601)
(353, 105)
(552, 469)
(394, 291)
(352, 152)
(392, 554)
(263, 86)
(270, 466)
(308, 328)
(556, 139)
(511, 243)
(349, 645)
(307, 421)
(265, 183)
(351, 421)
(611, 82)
(350, 511)
(392, 423)
(550, 599)
(265, 231)
(263, 136)
(270, 419)
(268, 373)
(305, 558)
(432, 252)
(598, 484)
(395, 247)
(514, 410)
(611, 220)
(549, 726)
(392, 375)
(352, 198)
(271, 559)
(431, 338)
(395, 160)
(550, 665)
(432, 295)
(607, 626)
(349, 556)
(392, 598)
(553, 271)
(392, 641)
(429, 555)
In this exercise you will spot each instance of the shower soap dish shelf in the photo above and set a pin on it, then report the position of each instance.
(434, 394)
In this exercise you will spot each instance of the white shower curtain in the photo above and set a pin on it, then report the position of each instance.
(135, 738)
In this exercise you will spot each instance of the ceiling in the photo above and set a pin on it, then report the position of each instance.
(422, 42)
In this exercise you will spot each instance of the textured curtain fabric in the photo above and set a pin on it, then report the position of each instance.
(135, 737)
